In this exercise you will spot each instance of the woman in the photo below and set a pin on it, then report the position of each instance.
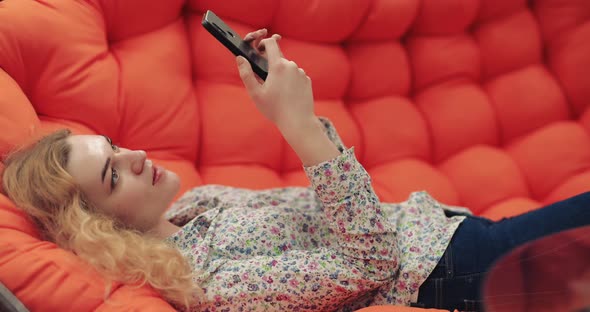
(332, 246)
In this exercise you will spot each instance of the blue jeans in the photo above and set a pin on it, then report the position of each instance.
(457, 280)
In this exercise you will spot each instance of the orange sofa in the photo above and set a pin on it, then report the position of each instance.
(483, 103)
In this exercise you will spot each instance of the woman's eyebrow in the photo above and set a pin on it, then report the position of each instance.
(106, 165)
(104, 169)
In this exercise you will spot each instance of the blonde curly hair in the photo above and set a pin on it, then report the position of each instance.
(35, 179)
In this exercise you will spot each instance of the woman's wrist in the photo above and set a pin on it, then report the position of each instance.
(294, 129)
(309, 141)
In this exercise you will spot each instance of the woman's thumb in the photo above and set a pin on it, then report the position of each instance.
(247, 74)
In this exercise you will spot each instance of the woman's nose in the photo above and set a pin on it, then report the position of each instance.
(137, 159)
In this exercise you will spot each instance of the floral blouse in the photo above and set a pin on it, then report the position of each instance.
(331, 246)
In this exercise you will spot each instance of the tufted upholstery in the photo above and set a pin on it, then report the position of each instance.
(482, 103)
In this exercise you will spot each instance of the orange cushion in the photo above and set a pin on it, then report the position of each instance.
(483, 103)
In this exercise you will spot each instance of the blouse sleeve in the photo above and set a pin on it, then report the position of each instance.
(354, 213)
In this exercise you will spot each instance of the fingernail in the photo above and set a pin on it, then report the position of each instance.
(240, 60)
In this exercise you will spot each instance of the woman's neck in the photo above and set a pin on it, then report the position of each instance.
(164, 229)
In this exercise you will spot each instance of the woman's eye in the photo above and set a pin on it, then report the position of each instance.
(114, 178)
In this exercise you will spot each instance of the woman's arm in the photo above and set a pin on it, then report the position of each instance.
(366, 241)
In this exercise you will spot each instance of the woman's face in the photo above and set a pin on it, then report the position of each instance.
(121, 182)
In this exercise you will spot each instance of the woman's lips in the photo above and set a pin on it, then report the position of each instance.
(157, 174)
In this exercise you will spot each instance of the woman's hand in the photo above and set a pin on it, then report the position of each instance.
(286, 97)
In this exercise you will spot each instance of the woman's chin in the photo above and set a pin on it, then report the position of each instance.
(172, 181)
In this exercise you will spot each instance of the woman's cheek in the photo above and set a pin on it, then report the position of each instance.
(130, 204)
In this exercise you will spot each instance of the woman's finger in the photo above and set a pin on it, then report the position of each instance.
(256, 45)
(272, 49)
(262, 48)
(261, 33)
(250, 80)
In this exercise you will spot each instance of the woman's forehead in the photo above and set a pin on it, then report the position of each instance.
(87, 156)
(88, 144)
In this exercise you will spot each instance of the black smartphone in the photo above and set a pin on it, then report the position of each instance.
(231, 40)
